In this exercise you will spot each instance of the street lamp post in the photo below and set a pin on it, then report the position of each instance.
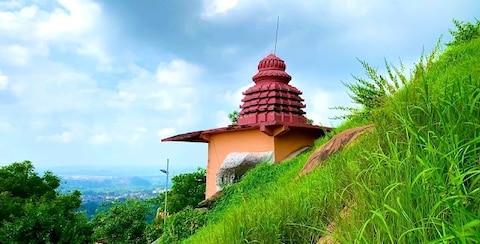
(166, 193)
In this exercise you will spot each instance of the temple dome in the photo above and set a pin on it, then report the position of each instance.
(272, 67)
(272, 99)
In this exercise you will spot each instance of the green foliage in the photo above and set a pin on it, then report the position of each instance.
(373, 92)
(187, 190)
(153, 231)
(465, 32)
(123, 222)
(422, 181)
(183, 224)
(33, 211)
(233, 116)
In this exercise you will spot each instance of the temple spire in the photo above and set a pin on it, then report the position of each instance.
(272, 99)
(276, 36)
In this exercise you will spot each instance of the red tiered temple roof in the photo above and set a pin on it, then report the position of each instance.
(272, 99)
(271, 103)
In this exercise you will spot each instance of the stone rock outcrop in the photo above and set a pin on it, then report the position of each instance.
(210, 202)
(332, 146)
(236, 164)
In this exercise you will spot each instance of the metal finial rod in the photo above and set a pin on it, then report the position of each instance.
(276, 36)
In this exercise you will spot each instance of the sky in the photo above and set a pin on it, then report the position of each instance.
(98, 83)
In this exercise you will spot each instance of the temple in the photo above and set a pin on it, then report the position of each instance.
(271, 124)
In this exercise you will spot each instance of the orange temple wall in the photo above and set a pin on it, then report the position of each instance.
(254, 140)
(221, 145)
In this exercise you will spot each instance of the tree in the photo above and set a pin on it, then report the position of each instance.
(187, 190)
(33, 211)
(123, 222)
(233, 116)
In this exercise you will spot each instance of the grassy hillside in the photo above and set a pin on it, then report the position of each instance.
(416, 178)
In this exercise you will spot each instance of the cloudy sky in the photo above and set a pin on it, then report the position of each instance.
(87, 83)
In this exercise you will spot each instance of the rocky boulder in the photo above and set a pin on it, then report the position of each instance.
(236, 164)
(332, 146)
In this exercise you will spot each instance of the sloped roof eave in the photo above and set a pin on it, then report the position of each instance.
(194, 136)
(199, 136)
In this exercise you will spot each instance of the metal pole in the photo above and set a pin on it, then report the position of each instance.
(166, 193)
(276, 36)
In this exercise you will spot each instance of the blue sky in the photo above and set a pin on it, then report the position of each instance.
(98, 83)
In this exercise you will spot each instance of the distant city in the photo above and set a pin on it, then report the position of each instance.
(101, 185)
(101, 190)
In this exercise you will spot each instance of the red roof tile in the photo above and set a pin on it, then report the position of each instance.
(272, 99)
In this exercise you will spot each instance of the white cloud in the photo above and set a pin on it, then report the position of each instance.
(100, 138)
(216, 7)
(177, 72)
(168, 96)
(166, 132)
(320, 103)
(76, 17)
(340, 9)
(64, 137)
(173, 87)
(54, 89)
(222, 119)
(57, 96)
(235, 97)
(139, 132)
(3, 81)
(17, 55)
(73, 26)
(7, 4)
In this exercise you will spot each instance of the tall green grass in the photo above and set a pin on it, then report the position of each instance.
(415, 179)
(422, 184)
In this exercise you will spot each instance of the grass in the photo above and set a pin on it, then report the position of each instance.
(415, 179)
(423, 184)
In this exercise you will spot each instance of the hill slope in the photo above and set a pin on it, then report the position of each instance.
(415, 178)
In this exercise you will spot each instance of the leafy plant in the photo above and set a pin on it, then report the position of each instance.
(183, 224)
(188, 190)
(465, 32)
(233, 116)
(372, 92)
(33, 211)
(123, 222)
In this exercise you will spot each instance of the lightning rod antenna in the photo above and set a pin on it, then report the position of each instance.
(276, 36)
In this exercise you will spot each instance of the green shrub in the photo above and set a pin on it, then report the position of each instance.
(465, 32)
(123, 222)
(183, 224)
